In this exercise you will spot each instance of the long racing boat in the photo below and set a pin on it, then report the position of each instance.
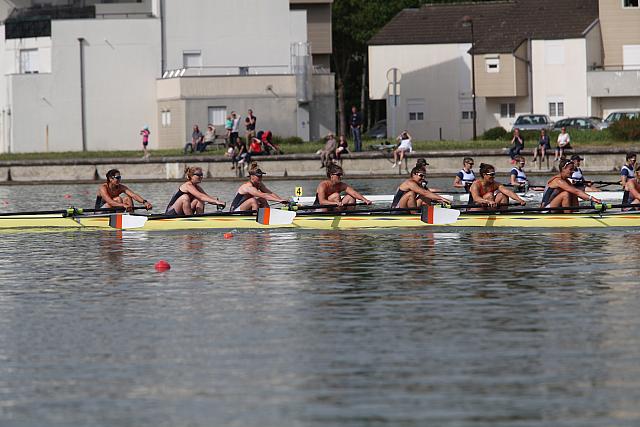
(322, 221)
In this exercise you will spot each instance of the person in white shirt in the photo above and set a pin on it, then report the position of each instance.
(563, 143)
(404, 146)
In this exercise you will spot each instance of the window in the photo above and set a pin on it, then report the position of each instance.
(630, 3)
(493, 65)
(416, 109)
(556, 109)
(507, 110)
(554, 53)
(28, 61)
(191, 59)
(166, 118)
(467, 115)
(217, 115)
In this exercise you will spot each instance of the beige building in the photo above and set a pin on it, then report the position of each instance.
(89, 75)
(567, 58)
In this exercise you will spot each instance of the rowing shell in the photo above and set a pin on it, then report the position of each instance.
(328, 221)
(530, 196)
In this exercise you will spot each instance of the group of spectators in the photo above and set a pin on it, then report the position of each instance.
(563, 143)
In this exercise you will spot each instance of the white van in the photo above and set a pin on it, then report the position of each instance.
(617, 115)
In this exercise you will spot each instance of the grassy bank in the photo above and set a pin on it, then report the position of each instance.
(290, 146)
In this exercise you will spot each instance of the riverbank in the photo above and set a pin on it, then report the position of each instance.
(371, 163)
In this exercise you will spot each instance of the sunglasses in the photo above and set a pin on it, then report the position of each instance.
(117, 177)
(470, 164)
(199, 174)
(337, 174)
(490, 174)
(522, 163)
(421, 175)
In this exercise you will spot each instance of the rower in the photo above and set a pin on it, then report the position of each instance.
(465, 177)
(519, 180)
(487, 194)
(627, 170)
(329, 191)
(632, 189)
(627, 173)
(577, 177)
(110, 194)
(190, 197)
(254, 194)
(411, 194)
(559, 191)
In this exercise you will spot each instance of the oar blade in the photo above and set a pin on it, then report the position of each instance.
(268, 216)
(126, 221)
(439, 216)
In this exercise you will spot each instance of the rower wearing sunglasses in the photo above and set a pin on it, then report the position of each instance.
(190, 197)
(560, 192)
(254, 194)
(411, 194)
(110, 194)
(487, 194)
(329, 191)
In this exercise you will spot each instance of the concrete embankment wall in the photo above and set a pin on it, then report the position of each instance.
(296, 165)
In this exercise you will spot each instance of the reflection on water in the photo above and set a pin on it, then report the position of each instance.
(317, 328)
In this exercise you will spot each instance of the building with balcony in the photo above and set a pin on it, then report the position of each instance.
(529, 56)
(88, 75)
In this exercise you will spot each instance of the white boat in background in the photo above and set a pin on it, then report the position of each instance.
(529, 196)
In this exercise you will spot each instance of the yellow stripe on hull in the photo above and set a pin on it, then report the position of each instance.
(327, 222)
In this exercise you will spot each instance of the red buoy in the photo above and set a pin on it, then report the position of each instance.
(228, 235)
(67, 196)
(162, 265)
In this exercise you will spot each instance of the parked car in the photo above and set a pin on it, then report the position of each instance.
(593, 123)
(533, 122)
(377, 131)
(617, 115)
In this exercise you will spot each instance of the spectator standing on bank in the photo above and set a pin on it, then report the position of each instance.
(235, 128)
(145, 132)
(563, 143)
(250, 123)
(356, 128)
(228, 126)
(517, 145)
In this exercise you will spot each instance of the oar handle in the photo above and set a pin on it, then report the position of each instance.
(295, 207)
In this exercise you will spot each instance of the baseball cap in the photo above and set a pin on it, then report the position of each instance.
(576, 157)
(422, 160)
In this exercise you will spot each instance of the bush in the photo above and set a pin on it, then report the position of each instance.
(494, 133)
(290, 140)
(626, 129)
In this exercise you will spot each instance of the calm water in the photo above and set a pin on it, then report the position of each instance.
(315, 328)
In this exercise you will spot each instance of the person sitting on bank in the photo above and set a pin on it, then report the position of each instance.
(254, 194)
(404, 147)
(544, 145)
(563, 143)
(110, 194)
(517, 145)
(328, 152)
(190, 197)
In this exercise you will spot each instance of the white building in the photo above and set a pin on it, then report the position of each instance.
(89, 76)
(557, 57)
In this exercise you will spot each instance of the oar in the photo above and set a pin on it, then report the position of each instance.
(295, 207)
(269, 216)
(66, 212)
(597, 207)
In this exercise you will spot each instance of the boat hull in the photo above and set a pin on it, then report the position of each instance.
(334, 222)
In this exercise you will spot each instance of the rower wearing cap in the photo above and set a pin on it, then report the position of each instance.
(559, 190)
(329, 191)
(110, 194)
(411, 194)
(487, 194)
(190, 197)
(465, 177)
(577, 177)
(254, 194)
(519, 179)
